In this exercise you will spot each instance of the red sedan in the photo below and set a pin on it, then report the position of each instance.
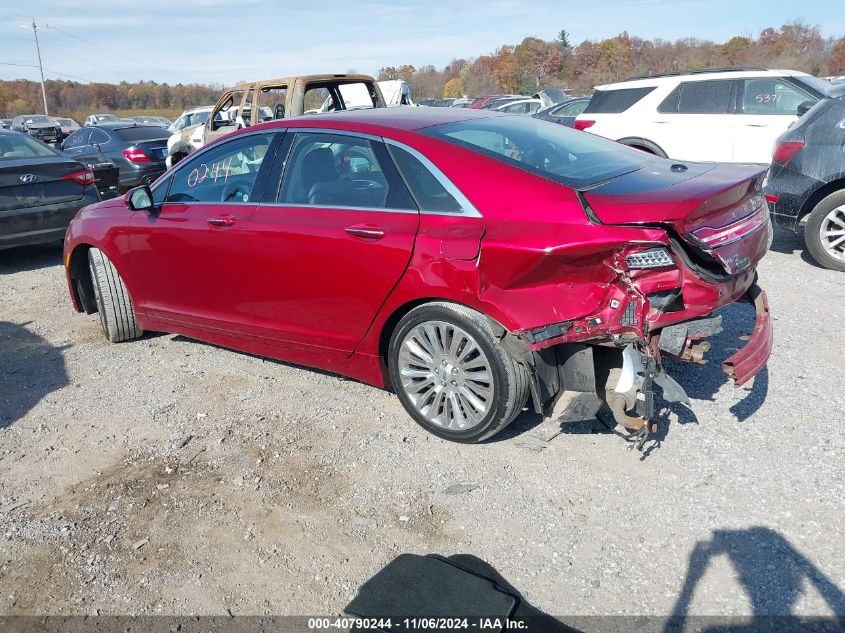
(472, 262)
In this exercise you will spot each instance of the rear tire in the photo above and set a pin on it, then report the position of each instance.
(828, 216)
(117, 315)
(452, 389)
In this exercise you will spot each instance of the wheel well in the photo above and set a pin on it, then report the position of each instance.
(82, 286)
(644, 145)
(820, 194)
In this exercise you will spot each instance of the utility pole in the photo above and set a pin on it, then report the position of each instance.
(40, 67)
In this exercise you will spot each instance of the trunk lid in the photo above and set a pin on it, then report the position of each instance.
(155, 150)
(716, 210)
(38, 182)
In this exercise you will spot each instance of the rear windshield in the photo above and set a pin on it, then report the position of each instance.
(572, 158)
(142, 133)
(18, 146)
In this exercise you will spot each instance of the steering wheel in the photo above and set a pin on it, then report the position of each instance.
(235, 191)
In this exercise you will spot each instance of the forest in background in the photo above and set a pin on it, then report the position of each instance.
(519, 68)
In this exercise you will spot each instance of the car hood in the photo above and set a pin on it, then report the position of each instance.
(40, 126)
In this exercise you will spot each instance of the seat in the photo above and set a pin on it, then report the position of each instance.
(318, 166)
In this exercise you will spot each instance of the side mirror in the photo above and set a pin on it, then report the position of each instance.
(802, 108)
(139, 198)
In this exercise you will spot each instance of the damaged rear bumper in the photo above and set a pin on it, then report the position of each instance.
(748, 361)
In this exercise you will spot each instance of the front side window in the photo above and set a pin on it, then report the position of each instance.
(225, 173)
(80, 137)
(561, 154)
(337, 170)
(772, 96)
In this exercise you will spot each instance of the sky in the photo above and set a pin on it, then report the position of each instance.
(226, 41)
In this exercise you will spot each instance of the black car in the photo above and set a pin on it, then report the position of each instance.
(41, 190)
(137, 150)
(563, 113)
(806, 181)
(40, 126)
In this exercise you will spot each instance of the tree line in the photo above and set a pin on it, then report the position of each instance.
(522, 68)
(65, 98)
(535, 63)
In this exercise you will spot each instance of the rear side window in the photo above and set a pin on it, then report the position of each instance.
(99, 137)
(698, 97)
(342, 171)
(615, 101)
(570, 109)
(429, 192)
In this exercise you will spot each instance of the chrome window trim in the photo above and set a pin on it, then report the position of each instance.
(338, 207)
(324, 130)
(467, 208)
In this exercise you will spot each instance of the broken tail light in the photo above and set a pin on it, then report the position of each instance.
(82, 176)
(652, 258)
(710, 238)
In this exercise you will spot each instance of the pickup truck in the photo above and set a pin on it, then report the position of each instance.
(259, 101)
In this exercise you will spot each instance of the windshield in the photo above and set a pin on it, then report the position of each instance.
(38, 118)
(17, 146)
(106, 117)
(197, 117)
(572, 158)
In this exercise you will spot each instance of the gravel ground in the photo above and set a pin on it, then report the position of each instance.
(166, 476)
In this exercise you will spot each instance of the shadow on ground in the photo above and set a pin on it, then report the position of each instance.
(15, 260)
(771, 573)
(32, 369)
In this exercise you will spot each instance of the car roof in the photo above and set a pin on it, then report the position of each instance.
(675, 78)
(404, 118)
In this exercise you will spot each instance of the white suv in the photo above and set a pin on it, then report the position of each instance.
(721, 115)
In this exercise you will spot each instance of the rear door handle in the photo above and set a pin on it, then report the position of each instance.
(757, 125)
(225, 220)
(365, 232)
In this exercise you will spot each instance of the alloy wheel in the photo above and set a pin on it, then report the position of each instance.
(832, 233)
(446, 375)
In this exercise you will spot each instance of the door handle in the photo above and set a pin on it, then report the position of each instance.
(226, 220)
(757, 125)
(366, 233)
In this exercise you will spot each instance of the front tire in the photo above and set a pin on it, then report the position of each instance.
(452, 375)
(117, 315)
(825, 232)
